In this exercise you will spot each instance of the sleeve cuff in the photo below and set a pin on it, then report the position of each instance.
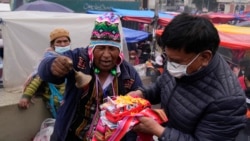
(142, 90)
(164, 136)
(26, 96)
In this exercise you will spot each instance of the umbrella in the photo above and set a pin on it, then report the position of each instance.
(42, 5)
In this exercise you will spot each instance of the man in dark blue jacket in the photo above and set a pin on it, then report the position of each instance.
(111, 76)
(199, 92)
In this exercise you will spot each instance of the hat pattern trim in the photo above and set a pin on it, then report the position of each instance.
(106, 31)
(105, 43)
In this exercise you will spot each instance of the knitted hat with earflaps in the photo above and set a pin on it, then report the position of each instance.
(106, 32)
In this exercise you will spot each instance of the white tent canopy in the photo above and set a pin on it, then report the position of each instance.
(26, 36)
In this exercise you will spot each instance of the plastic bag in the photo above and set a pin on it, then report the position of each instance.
(46, 130)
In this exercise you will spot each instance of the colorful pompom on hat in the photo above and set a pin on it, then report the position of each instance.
(106, 32)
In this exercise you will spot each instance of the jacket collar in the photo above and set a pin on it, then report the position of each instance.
(203, 71)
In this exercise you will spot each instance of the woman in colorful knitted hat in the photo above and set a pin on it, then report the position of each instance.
(34, 86)
(111, 76)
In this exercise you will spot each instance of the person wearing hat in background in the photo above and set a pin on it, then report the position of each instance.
(35, 86)
(159, 63)
(227, 55)
(111, 75)
(245, 79)
(154, 68)
(133, 58)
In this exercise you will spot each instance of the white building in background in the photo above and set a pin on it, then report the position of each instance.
(151, 4)
(4, 7)
(233, 6)
(4, 1)
(187, 2)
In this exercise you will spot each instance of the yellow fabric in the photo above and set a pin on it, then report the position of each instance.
(35, 83)
(60, 88)
(149, 64)
(33, 86)
(233, 29)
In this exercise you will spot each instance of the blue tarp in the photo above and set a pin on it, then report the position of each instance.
(133, 36)
(133, 13)
(96, 12)
(141, 13)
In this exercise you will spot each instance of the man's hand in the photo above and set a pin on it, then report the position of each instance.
(148, 125)
(61, 66)
(137, 93)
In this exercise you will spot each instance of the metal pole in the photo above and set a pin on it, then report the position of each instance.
(208, 5)
(155, 23)
(239, 6)
(202, 5)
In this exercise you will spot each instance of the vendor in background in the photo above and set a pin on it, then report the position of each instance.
(243, 64)
(154, 68)
(52, 94)
(133, 58)
(144, 51)
(133, 54)
(245, 78)
(227, 55)
(159, 64)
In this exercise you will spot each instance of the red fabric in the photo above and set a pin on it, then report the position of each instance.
(229, 40)
(163, 21)
(248, 113)
(103, 132)
(220, 17)
(148, 20)
(242, 82)
(234, 41)
(143, 137)
(138, 19)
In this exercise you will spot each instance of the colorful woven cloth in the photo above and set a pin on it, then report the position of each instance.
(108, 129)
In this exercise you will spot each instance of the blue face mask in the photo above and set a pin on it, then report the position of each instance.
(61, 50)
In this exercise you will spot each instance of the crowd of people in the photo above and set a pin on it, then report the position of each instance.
(200, 94)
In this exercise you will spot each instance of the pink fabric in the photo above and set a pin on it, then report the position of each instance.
(104, 133)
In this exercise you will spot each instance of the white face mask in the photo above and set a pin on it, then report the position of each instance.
(60, 50)
(178, 70)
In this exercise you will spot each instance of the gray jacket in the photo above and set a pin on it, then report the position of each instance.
(208, 105)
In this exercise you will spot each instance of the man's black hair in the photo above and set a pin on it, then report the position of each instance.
(191, 33)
